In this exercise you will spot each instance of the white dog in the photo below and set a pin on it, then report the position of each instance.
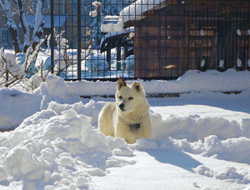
(128, 117)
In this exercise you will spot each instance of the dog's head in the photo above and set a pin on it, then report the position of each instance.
(129, 97)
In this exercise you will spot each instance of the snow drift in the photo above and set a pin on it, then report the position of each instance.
(56, 144)
(53, 149)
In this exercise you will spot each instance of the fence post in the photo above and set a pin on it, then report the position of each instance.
(52, 34)
(79, 35)
(118, 50)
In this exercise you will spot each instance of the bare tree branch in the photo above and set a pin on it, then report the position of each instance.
(13, 29)
(39, 23)
(25, 25)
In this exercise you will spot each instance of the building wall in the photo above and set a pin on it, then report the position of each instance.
(196, 35)
(160, 45)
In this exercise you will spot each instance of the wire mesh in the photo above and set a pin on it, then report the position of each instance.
(160, 38)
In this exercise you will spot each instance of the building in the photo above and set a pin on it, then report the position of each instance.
(172, 36)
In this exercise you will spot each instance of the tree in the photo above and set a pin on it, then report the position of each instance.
(39, 23)
(13, 29)
(25, 25)
(10, 70)
(8, 10)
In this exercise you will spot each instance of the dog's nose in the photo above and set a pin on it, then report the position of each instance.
(121, 106)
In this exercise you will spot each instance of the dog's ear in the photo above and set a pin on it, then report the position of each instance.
(137, 86)
(121, 83)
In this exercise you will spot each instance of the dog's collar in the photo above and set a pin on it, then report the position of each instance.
(134, 126)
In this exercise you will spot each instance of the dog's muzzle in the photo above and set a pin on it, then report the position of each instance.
(121, 106)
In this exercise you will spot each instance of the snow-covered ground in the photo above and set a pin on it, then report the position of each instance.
(200, 140)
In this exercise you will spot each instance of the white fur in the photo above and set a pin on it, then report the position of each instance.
(114, 121)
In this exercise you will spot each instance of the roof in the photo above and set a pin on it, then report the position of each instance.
(111, 34)
(139, 9)
(135, 11)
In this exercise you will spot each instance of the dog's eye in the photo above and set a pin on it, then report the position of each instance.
(130, 98)
(120, 97)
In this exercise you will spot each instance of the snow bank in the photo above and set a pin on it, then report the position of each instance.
(197, 127)
(15, 106)
(191, 81)
(208, 136)
(58, 149)
(229, 173)
(90, 109)
(232, 149)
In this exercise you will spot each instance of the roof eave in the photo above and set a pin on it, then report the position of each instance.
(148, 13)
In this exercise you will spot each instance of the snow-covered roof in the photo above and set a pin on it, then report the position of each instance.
(111, 34)
(135, 10)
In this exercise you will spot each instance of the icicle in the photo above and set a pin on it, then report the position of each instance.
(248, 62)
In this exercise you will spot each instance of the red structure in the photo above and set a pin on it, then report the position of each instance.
(176, 36)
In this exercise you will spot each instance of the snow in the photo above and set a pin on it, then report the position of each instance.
(136, 9)
(200, 139)
(202, 32)
(115, 24)
(127, 30)
(98, 7)
(203, 63)
(38, 22)
(8, 62)
(238, 32)
(239, 62)
(6, 7)
(93, 13)
(111, 27)
(221, 64)
(192, 81)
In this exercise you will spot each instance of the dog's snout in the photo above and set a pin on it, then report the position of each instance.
(121, 106)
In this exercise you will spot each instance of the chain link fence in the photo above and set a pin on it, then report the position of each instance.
(148, 39)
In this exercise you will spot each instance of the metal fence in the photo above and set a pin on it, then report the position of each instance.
(158, 39)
